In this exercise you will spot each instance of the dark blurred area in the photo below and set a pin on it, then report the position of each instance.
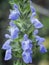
(4, 12)
(43, 3)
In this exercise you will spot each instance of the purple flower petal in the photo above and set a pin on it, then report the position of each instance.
(14, 32)
(43, 49)
(39, 39)
(35, 32)
(15, 6)
(25, 37)
(6, 45)
(26, 44)
(36, 23)
(7, 36)
(33, 11)
(14, 15)
(32, 8)
(12, 24)
(27, 58)
(8, 55)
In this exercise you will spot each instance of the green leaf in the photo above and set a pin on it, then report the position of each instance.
(30, 29)
(18, 63)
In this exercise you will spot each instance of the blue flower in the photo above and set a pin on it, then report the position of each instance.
(14, 32)
(35, 32)
(6, 45)
(37, 24)
(12, 24)
(43, 49)
(27, 57)
(27, 49)
(26, 43)
(7, 36)
(32, 10)
(14, 14)
(15, 6)
(8, 55)
(25, 37)
(39, 39)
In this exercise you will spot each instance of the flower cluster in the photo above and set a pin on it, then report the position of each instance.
(14, 31)
(27, 49)
(37, 24)
(26, 42)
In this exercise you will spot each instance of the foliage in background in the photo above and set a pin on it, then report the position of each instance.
(45, 30)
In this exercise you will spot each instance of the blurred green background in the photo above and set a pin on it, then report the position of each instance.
(42, 59)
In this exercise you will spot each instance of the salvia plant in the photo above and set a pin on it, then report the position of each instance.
(23, 39)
